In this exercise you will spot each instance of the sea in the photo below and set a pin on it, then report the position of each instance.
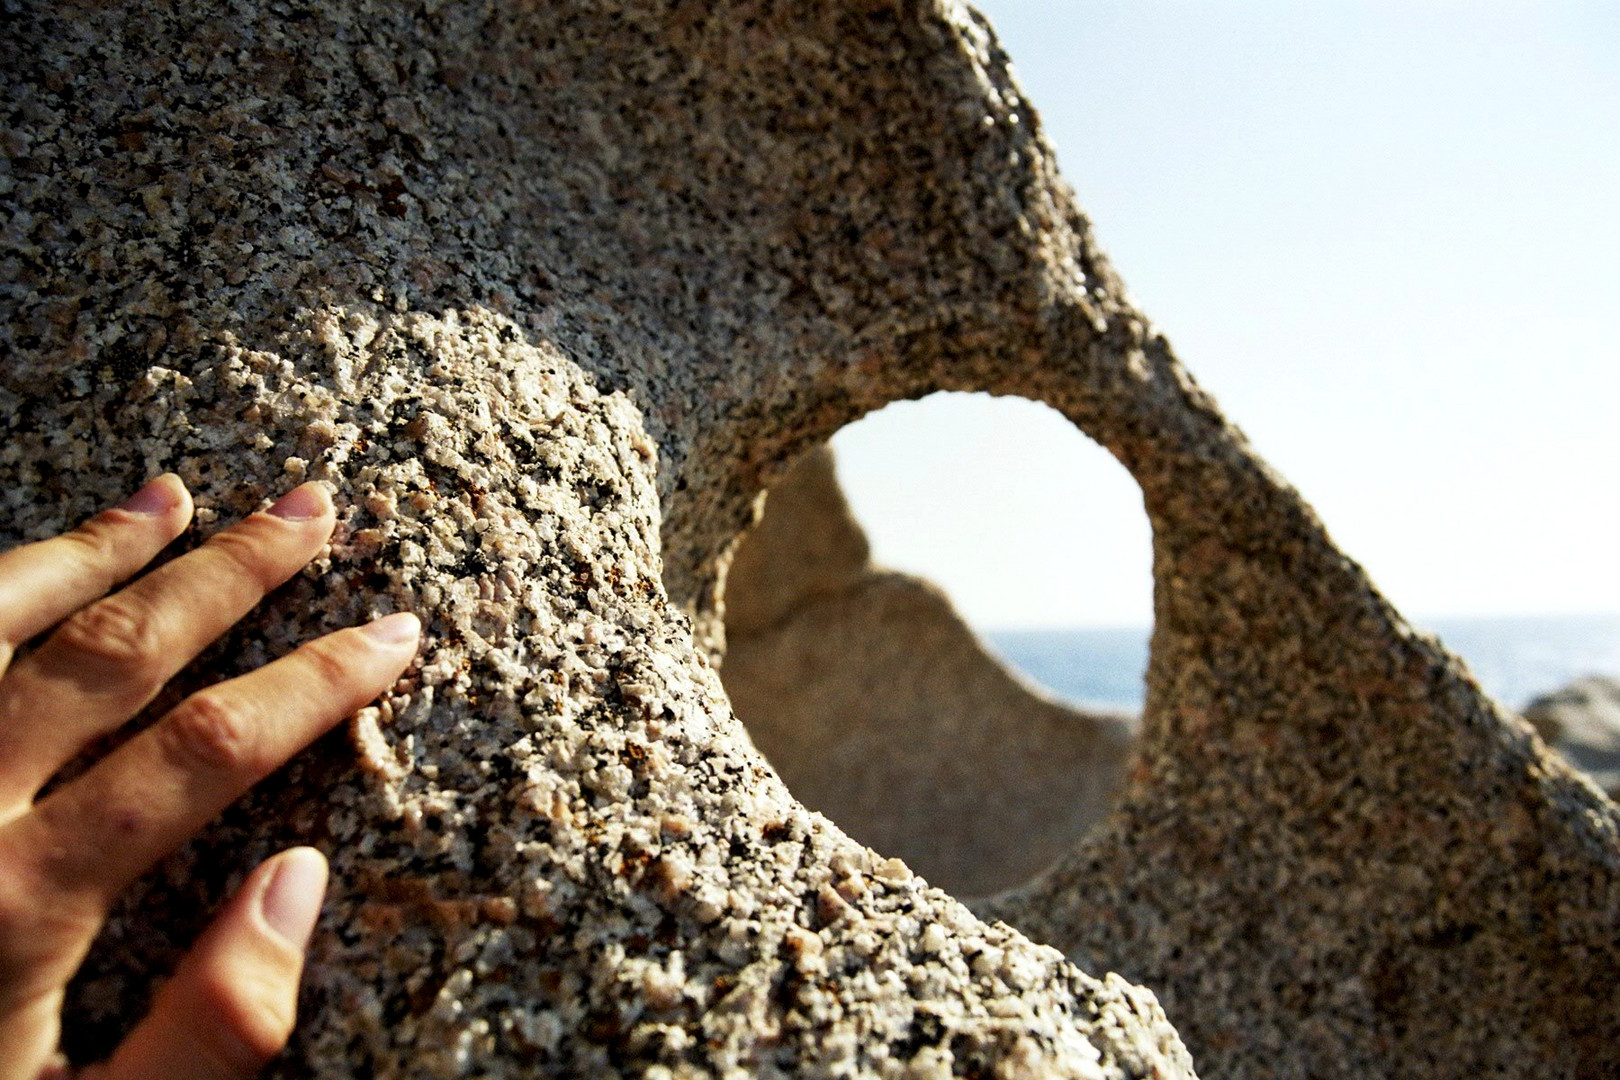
(1514, 659)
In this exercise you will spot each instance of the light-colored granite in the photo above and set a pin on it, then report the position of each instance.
(882, 710)
(1582, 722)
(550, 293)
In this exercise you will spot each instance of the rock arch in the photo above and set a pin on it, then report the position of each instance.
(550, 293)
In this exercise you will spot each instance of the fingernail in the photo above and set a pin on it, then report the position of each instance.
(291, 902)
(155, 498)
(301, 503)
(395, 629)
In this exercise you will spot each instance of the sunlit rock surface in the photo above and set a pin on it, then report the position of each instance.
(881, 709)
(550, 293)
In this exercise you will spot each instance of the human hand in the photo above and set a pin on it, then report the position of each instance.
(63, 859)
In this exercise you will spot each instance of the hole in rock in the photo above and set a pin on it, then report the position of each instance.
(864, 647)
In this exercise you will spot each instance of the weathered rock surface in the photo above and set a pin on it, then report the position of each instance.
(881, 709)
(1582, 722)
(805, 547)
(549, 293)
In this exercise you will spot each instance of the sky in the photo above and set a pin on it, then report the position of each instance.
(1386, 237)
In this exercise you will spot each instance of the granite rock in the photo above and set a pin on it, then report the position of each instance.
(549, 293)
(881, 709)
(804, 547)
(1582, 722)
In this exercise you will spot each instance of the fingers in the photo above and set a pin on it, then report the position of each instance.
(230, 1007)
(108, 660)
(94, 835)
(42, 584)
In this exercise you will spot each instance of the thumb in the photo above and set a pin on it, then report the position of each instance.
(231, 1005)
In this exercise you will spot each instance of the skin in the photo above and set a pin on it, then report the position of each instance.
(230, 1005)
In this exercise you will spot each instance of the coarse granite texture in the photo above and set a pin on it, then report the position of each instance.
(881, 709)
(491, 271)
(550, 293)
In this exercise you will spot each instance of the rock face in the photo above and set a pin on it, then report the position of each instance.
(549, 293)
(881, 709)
(1582, 722)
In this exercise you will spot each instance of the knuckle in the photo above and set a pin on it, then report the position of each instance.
(330, 660)
(99, 549)
(118, 633)
(248, 547)
(95, 541)
(37, 930)
(212, 732)
(247, 1015)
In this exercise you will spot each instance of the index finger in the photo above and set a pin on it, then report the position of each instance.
(43, 583)
(95, 834)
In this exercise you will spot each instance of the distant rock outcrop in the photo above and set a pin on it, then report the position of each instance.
(881, 709)
(1582, 722)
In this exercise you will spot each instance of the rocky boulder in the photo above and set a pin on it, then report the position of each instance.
(881, 708)
(1582, 722)
(549, 293)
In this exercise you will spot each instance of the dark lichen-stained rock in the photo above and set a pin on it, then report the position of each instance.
(1582, 722)
(549, 293)
(881, 709)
